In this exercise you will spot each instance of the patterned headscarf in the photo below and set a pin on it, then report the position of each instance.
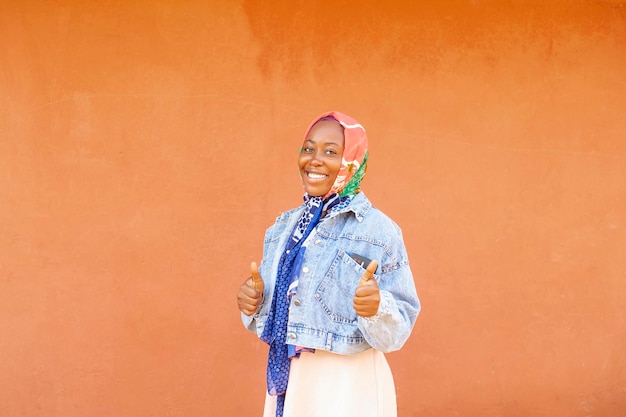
(354, 162)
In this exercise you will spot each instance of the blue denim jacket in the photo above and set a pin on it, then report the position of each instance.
(321, 315)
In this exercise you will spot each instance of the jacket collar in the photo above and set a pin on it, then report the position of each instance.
(360, 206)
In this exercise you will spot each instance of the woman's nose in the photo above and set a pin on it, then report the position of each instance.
(315, 160)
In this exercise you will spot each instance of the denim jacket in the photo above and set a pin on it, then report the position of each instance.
(321, 314)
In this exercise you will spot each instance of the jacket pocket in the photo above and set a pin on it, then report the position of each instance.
(335, 293)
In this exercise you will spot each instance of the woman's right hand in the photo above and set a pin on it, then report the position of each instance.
(250, 295)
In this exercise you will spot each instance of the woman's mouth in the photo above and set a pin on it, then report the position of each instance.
(315, 176)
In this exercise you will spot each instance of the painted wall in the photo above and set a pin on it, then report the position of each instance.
(146, 145)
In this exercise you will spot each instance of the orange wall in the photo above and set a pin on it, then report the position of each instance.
(146, 145)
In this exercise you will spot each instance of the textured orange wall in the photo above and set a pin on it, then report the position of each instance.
(146, 145)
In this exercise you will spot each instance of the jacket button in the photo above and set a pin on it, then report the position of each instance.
(317, 242)
(305, 269)
(297, 303)
(292, 335)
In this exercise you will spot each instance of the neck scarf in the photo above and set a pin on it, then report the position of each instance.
(346, 185)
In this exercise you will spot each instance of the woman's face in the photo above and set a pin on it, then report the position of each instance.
(321, 156)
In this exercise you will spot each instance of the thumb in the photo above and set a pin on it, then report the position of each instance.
(369, 272)
(256, 277)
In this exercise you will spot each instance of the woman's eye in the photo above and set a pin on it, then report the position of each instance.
(307, 150)
(331, 152)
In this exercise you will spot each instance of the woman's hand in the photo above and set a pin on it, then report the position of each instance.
(367, 294)
(250, 293)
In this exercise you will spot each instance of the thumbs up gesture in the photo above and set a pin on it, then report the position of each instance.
(367, 294)
(250, 293)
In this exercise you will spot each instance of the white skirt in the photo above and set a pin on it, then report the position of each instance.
(324, 384)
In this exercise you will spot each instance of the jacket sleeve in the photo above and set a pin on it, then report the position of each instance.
(399, 307)
(249, 322)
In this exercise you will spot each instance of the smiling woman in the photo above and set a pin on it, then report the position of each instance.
(321, 156)
(320, 300)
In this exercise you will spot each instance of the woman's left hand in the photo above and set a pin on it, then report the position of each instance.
(367, 294)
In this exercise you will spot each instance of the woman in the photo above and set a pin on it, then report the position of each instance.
(334, 289)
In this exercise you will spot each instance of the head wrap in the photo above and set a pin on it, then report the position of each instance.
(355, 154)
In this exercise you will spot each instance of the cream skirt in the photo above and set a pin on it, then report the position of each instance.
(324, 384)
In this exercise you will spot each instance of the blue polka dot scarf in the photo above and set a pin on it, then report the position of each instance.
(275, 330)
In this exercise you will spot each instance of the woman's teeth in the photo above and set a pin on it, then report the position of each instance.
(316, 176)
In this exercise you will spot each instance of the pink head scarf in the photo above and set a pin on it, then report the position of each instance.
(354, 160)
